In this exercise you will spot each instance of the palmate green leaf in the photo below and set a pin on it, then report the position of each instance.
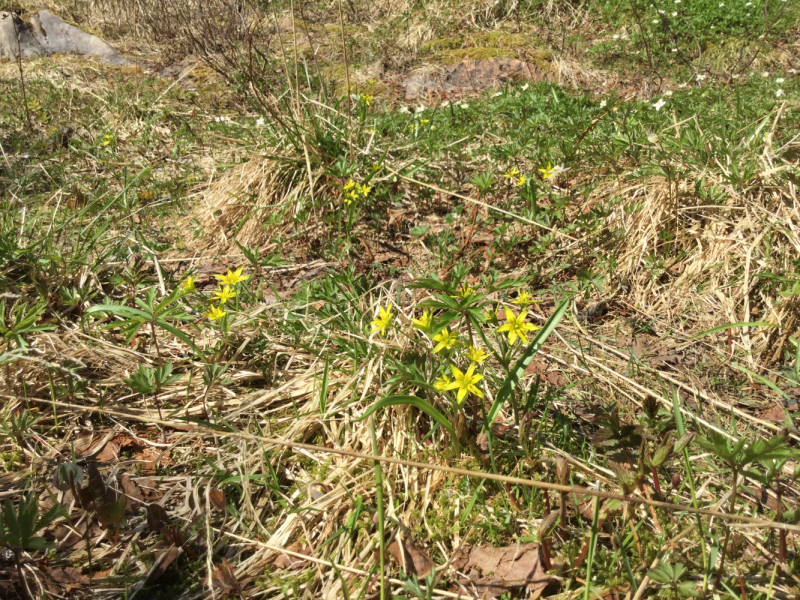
(421, 405)
(429, 283)
(688, 588)
(518, 370)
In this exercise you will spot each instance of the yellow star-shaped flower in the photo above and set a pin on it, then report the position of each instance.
(223, 294)
(187, 285)
(215, 312)
(476, 354)
(524, 299)
(232, 277)
(465, 383)
(516, 326)
(349, 185)
(364, 190)
(548, 173)
(442, 383)
(383, 321)
(511, 173)
(522, 181)
(446, 340)
(424, 321)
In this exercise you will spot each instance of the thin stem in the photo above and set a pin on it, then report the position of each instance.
(379, 500)
(592, 544)
(727, 530)
(22, 584)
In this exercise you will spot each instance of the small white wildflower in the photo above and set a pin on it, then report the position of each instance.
(260, 122)
(749, 4)
(525, 87)
(780, 80)
(652, 138)
(616, 36)
(701, 77)
(404, 109)
(735, 76)
(659, 105)
(674, 49)
(721, 4)
(655, 21)
(602, 104)
(661, 12)
(446, 103)
(682, 85)
(496, 94)
(779, 93)
(464, 105)
(675, 13)
(668, 93)
(765, 74)
(420, 109)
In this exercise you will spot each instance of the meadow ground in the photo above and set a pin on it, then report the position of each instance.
(562, 312)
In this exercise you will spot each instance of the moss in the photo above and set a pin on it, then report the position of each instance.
(484, 46)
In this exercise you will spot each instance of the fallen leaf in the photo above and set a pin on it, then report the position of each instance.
(287, 561)
(70, 577)
(536, 367)
(411, 557)
(495, 571)
(139, 491)
(670, 360)
(161, 564)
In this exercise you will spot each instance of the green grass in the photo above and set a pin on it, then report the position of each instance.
(674, 206)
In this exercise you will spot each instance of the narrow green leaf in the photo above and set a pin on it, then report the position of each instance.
(733, 325)
(181, 336)
(761, 379)
(421, 405)
(120, 311)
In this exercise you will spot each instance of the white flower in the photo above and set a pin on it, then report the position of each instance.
(661, 12)
(260, 122)
(602, 104)
(668, 93)
(496, 94)
(701, 77)
(446, 103)
(721, 4)
(749, 4)
(655, 21)
(558, 170)
(765, 74)
(464, 105)
(420, 109)
(675, 13)
(677, 1)
(780, 80)
(674, 49)
(616, 36)
(525, 87)
(735, 76)
(682, 85)
(404, 109)
(659, 105)
(779, 93)
(652, 138)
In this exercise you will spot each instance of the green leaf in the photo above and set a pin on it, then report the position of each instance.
(763, 380)
(419, 230)
(518, 370)
(118, 310)
(421, 405)
(181, 336)
(733, 325)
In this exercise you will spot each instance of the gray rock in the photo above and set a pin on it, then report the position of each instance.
(48, 34)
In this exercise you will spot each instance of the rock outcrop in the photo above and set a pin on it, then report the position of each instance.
(48, 34)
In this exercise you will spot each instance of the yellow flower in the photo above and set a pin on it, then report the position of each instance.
(367, 99)
(232, 277)
(511, 173)
(423, 121)
(188, 284)
(465, 383)
(442, 383)
(463, 291)
(350, 196)
(424, 321)
(516, 326)
(107, 139)
(349, 185)
(384, 319)
(476, 354)
(522, 181)
(446, 338)
(371, 82)
(365, 190)
(524, 298)
(215, 312)
(548, 173)
(376, 166)
(223, 294)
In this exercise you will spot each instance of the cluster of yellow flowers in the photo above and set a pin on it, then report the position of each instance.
(515, 327)
(222, 294)
(352, 190)
(549, 173)
(514, 175)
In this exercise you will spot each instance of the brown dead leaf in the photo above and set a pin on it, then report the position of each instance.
(556, 379)
(69, 577)
(666, 361)
(536, 367)
(287, 561)
(161, 564)
(139, 491)
(411, 557)
(495, 571)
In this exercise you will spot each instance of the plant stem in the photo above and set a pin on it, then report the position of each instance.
(22, 585)
(563, 525)
(379, 500)
(779, 518)
(721, 571)
(592, 544)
